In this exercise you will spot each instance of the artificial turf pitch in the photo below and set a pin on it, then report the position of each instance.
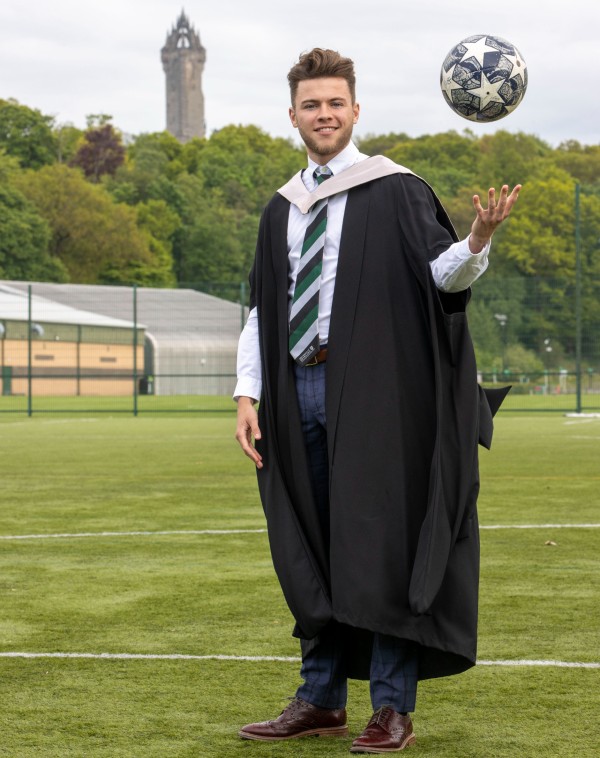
(215, 594)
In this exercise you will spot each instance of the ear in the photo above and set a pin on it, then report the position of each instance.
(292, 116)
(356, 112)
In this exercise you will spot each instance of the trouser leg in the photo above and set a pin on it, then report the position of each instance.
(310, 388)
(394, 673)
(323, 665)
(324, 670)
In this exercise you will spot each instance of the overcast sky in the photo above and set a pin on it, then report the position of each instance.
(70, 58)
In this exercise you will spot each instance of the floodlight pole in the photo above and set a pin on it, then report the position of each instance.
(578, 283)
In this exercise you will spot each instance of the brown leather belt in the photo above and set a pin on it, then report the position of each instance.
(320, 357)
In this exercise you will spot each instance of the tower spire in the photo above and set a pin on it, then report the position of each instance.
(183, 58)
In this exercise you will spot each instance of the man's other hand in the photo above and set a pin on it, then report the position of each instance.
(247, 429)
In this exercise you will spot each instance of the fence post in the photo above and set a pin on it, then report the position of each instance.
(29, 351)
(78, 390)
(578, 282)
(242, 305)
(135, 345)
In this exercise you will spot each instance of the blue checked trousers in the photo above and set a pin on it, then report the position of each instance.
(394, 668)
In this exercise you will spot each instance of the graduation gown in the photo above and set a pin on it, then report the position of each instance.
(404, 416)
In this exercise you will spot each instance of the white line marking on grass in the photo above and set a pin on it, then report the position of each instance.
(128, 534)
(75, 535)
(264, 659)
(552, 664)
(540, 526)
(155, 657)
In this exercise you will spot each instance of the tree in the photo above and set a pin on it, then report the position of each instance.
(160, 224)
(68, 138)
(214, 243)
(162, 143)
(24, 238)
(214, 249)
(448, 162)
(153, 163)
(27, 134)
(241, 165)
(100, 152)
(542, 241)
(511, 159)
(581, 161)
(97, 240)
(380, 144)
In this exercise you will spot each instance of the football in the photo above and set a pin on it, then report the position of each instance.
(483, 78)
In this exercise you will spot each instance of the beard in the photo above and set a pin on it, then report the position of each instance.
(342, 138)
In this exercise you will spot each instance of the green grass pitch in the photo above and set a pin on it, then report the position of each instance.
(216, 594)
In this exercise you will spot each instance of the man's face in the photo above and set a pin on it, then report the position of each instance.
(324, 114)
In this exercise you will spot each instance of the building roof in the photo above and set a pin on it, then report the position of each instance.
(14, 306)
(174, 315)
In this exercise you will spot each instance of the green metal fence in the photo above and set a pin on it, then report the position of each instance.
(91, 349)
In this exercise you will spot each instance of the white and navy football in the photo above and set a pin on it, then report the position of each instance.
(483, 78)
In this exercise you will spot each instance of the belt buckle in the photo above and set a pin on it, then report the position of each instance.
(315, 360)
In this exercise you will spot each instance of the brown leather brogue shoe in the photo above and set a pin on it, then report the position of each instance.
(299, 719)
(386, 732)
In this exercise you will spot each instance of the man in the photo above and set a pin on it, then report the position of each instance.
(366, 436)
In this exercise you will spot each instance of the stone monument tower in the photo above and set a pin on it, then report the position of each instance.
(183, 62)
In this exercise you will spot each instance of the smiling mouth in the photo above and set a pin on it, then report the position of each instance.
(326, 129)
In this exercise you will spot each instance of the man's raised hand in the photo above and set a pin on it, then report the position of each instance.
(488, 219)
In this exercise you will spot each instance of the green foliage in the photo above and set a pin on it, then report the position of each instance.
(243, 166)
(27, 134)
(160, 224)
(446, 161)
(510, 159)
(97, 120)
(215, 246)
(68, 139)
(380, 144)
(24, 237)
(520, 360)
(542, 240)
(582, 162)
(159, 142)
(96, 239)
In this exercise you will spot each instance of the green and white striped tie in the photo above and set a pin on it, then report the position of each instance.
(304, 314)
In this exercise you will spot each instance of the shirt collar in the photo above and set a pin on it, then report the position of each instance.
(343, 160)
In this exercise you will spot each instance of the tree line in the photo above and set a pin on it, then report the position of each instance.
(91, 206)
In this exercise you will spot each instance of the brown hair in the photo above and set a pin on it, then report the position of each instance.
(319, 63)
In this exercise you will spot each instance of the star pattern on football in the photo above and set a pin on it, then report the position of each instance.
(483, 78)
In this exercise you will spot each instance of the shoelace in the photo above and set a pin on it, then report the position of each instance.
(376, 717)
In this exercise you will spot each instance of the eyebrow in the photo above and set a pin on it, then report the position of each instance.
(310, 100)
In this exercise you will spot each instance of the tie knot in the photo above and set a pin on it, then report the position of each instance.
(322, 173)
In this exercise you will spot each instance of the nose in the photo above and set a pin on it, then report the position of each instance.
(324, 112)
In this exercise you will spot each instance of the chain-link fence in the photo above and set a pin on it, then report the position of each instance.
(104, 349)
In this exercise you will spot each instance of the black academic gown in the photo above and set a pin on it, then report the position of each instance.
(404, 415)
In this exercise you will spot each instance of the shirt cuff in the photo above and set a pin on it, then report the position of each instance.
(464, 251)
(247, 386)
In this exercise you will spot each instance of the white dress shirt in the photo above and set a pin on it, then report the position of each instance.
(453, 271)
